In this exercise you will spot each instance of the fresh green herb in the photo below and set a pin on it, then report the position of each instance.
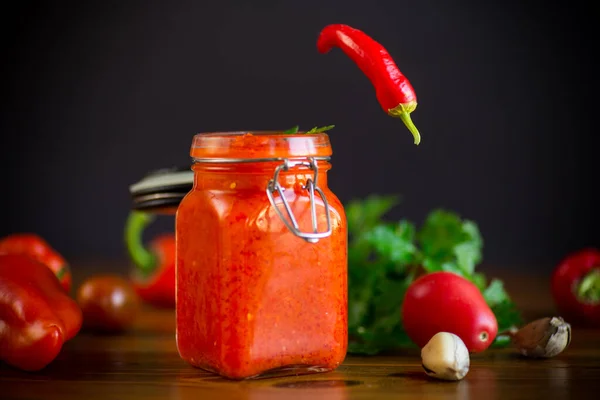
(385, 257)
(321, 129)
(293, 129)
(296, 128)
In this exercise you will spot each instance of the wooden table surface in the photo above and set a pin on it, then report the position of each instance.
(144, 364)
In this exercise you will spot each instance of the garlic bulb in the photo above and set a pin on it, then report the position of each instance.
(446, 357)
(542, 338)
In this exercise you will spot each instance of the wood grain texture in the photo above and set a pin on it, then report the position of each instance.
(144, 364)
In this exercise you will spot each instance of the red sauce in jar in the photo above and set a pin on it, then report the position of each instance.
(253, 298)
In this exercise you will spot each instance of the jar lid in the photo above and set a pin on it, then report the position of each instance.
(250, 145)
(162, 188)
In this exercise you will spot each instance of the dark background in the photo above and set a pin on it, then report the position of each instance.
(96, 94)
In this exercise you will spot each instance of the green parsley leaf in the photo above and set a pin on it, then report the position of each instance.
(479, 280)
(363, 215)
(321, 129)
(495, 294)
(393, 243)
(467, 255)
(507, 315)
(293, 129)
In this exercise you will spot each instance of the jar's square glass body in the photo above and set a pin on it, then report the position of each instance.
(254, 299)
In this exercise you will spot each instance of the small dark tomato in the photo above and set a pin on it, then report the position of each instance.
(108, 303)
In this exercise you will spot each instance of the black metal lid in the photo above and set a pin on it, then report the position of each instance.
(161, 188)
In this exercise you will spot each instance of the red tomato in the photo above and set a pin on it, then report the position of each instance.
(108, 303)
(447, 302)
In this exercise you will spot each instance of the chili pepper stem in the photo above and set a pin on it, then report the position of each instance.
(134, 228)
(403, 111)
(588, 289)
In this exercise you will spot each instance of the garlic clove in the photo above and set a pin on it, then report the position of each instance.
(542, 338)
(445, 357)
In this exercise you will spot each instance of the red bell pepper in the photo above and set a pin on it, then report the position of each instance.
(34, 246)
(36, 315)
(153, 277)
(576, 287)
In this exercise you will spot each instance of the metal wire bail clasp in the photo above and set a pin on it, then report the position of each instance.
(311, 186)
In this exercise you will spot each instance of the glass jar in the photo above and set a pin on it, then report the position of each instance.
(261, 257)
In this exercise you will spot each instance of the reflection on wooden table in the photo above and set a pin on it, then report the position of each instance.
(144, 363)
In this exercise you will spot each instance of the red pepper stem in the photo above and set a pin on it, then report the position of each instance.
(588, 289)
(134, 228)
(403, 111)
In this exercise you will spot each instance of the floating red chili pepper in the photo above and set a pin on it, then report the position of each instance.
(36, 315)
(37, 248)
(394, 92)
(153, 277)
(576, 287)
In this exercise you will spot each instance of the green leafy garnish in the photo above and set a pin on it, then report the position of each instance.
(293, 129)
(321, 129)
(384, 259)
(296, 128)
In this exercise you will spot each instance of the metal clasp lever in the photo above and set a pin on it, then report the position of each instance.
(311, 186)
